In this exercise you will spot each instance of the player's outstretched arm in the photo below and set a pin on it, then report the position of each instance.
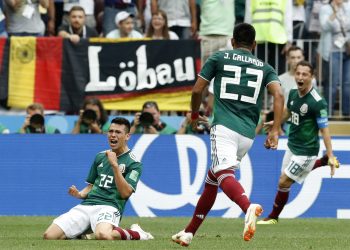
(278, 104)
(268, 125)
(196, 101)
(332, 160)
(73, 191)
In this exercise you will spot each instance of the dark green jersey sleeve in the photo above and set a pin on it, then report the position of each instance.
(292, 94)
(321, 109)
(321, 114)
(133, 174)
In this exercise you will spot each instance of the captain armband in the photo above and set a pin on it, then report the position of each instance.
(322, 122)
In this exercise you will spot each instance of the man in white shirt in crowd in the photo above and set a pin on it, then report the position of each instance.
(125, 24)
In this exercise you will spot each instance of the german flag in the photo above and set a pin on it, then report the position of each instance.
(28, 55)
(36, 73)
(2, 49)
(60, 74)
(3, 70)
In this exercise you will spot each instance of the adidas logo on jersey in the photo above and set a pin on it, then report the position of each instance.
(101, 165)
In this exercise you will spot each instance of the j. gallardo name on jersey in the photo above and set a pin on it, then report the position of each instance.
(244, 58)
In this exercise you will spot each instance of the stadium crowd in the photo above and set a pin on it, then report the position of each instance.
(297, 22)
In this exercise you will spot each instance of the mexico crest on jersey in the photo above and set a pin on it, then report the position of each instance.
(122, 168)
(303, 109)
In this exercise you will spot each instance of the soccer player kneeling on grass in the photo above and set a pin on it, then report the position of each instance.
(112, 179)
(307, 111)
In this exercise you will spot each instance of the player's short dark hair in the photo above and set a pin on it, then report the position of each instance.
(122, 121)
(150, 104)
(294, 48)
(244, 34)
(306, 64)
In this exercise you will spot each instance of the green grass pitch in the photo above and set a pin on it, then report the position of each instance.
(216, 233)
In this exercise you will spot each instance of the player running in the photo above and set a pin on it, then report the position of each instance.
(307, 111)
(240, 79)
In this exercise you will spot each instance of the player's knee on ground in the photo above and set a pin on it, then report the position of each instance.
(49, 235)
(46, 236)
(54, 233)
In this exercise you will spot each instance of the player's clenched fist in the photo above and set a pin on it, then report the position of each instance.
(271, 140)
(112, 158)
(73, 191)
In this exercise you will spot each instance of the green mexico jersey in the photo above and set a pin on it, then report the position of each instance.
(240, 79)
(306, 113)
(104, 191)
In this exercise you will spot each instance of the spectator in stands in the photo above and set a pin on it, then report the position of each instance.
(58, 6)
(34, 122)
(111, 8)
(239, 11)
(335, 33)
(93, 118)
(125, 24)
(77, 28)
(144, 14)
(274, 29)
(148, 122)
(23, 19)
(312, 21)
(181, 14)
(217, 22)
(4, 130)
(298, 19)
(87, 5)
(312, 31)
(3, 32)
(51, 19)
(158, 28)
(48, 17)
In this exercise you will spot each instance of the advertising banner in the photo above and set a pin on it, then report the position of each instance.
(38, 169)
